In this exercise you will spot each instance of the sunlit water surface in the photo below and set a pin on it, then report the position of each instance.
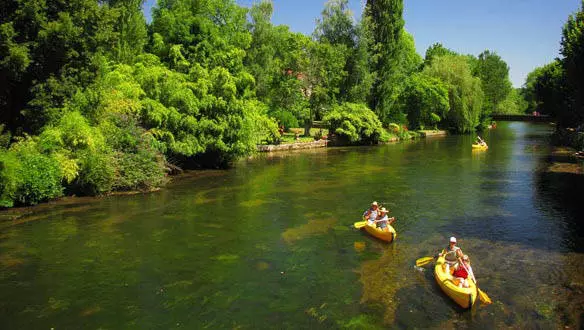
(269, 243)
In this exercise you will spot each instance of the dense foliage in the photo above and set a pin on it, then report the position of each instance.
(94, 99)
(354, 123)
(557, 89)
(464, 91)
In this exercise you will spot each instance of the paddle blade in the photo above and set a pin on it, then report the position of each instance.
(360, 224)
(423, 261)
(484, 297)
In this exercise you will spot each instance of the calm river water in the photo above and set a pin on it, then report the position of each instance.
(269, 244)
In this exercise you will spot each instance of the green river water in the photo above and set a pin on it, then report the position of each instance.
(269, 244)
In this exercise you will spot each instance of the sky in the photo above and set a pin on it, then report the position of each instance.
(525, 33)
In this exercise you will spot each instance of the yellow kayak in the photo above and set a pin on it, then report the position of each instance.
(387, 236)
(465, 297)
(480, 147)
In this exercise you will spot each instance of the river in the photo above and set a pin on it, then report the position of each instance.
(269, 244)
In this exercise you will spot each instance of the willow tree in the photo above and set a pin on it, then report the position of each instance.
(464, 91)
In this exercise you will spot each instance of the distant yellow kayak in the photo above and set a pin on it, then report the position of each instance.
(387, 236)
(465, 297)
(480, 147)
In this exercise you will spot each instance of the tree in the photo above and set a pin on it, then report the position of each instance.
(494, 75)
(387, 29)
(324, 76)
(261, 57)
(514, 103)
(336, 24)
(360, 78)
(424, 101)
(572, 50)
(551, 94)
(436, 50)
(131, 27)
(464, 91)
(62, 40)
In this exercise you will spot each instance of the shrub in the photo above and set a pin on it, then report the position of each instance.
(142, 170)
(354, 123)
(96, 173)
(28, 177)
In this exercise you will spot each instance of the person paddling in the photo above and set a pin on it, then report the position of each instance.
(480, 141)
(371, 214)
(451, 254)
(383, 220)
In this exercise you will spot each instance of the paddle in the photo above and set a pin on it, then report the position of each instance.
(360, 224)
(482, 295)
(424, 261)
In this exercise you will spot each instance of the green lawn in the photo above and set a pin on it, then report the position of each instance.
(290, 136)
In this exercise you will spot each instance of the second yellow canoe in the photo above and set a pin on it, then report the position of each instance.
(387, 236)
(480, 147)
(465, 297)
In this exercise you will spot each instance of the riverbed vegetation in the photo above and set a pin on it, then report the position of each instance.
(93, 98)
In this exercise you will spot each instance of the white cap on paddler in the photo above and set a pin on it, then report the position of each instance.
(452, 239)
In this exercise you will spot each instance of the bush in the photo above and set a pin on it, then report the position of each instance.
(28, 177)
(143, 170)
(354, 124)
(96, 173)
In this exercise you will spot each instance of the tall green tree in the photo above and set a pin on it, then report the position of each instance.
(131, 28)
(494, 75)
(464, 91)
(324, 76)
(436, 50)
(550, 92)
(261, 58)
(48, 51)
(360, 78)
(424, 100)
(386, 19)
(572, 50)
(213, 33)
(336, 24)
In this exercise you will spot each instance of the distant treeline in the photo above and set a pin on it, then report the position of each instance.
(94, 99)
(557, 89)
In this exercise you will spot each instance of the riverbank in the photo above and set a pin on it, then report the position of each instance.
(325, 143)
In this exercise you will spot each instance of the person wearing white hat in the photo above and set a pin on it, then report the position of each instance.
(371, 214)
(451, 254)
(383, 221)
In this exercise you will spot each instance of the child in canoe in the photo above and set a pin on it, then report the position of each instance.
(461, 272)
(383, 221)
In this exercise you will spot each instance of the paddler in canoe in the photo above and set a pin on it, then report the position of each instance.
(461, 272)
(459, 284)
(480, 143)
(383, 221)
(371, 213)
(451, 254)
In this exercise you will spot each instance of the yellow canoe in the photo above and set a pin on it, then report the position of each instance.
(387, 236)
(465, 297)
(480, 147)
